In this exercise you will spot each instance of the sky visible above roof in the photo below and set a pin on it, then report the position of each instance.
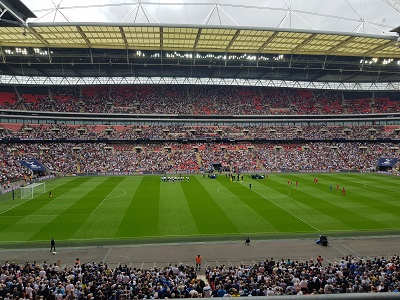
(376, 17)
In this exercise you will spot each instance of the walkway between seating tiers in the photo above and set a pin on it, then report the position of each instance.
(232, 253)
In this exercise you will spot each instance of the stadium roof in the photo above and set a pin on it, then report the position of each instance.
(199, 39)
(14, 12)
(106, 49)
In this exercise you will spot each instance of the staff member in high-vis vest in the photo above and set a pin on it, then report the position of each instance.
(198, 262)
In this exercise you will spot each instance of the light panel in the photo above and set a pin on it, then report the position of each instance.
(197, 39)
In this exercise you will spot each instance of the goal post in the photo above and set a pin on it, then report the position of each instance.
(32, 190)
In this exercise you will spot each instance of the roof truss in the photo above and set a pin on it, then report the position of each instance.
(199, 39)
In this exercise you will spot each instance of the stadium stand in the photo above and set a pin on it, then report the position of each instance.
(175, 132)
(97, 280)
(67, 149)
(91, 130)
(196, 100)
(173, 157)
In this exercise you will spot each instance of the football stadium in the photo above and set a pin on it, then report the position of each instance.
(198, 149)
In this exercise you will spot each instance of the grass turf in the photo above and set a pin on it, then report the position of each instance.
(118, 209)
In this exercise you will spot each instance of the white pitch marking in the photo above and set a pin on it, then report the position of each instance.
(106, 198)
(287, 210)
(32, 199)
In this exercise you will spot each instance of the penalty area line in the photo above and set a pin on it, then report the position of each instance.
(284, 209)
(34, 198)
(371, 187)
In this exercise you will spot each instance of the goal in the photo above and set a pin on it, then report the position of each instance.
(32, 190)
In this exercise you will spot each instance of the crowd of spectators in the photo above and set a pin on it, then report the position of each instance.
(181, 149)
(188, 132)
(286, 277)
(267, 277)
(68, 149)
(195, 100)
(322, 156)
(173, 157)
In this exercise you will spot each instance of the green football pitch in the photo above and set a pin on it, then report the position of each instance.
(139, 209)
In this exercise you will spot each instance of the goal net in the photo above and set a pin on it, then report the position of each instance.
(32, 190)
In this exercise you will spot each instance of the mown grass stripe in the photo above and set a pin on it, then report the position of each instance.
(376, 184)
(40, 200)
(207, 214)
(104, 220)
(342, 208)
(141, 217)
(23, 221)
(244, 217)
(71, 218)
(81, 211)
(272, 212)
(175, 217)
(382, 188)
(378, 204)
(302, 210)
(52, 183)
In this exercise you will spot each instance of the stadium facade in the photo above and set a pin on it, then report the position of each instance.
(42, 62)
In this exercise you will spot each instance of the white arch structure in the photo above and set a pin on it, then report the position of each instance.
(358, 16)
